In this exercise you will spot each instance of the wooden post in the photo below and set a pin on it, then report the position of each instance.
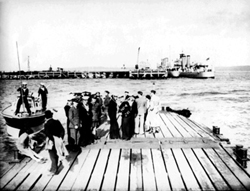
(216, 130)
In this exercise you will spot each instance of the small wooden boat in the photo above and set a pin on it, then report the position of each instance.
(23, 119)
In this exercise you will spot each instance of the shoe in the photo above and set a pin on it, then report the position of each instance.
(149, 129)
(51, 173)
(43, 160)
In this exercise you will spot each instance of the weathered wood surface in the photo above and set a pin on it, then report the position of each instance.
(184, 155)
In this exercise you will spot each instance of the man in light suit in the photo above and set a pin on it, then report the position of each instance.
(140, 118)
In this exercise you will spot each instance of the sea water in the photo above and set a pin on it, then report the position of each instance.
(223, 101)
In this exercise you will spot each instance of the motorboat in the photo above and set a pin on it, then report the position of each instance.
(23, 119)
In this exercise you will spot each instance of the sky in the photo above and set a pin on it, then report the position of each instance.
(108, 33)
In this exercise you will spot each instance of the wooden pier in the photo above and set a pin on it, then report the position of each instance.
(184, 155)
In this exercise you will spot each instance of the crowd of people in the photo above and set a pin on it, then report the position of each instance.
(85, 113)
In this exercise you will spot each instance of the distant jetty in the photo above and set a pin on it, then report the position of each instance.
(61, 74)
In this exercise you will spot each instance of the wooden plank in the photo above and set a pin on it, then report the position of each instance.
(74, 171)
(13, 172)
(122, 182)
(45, 179)
(161, 175)
(34, 176)
(56, 180)
(205, 132)
(224, 171)
(35, 173)
(135, 170)
(164, 129)
(189, 129)
(178, 126)
(159, 133)
(86, 170)
(170, 126)
(148, 170)
(187, 174)
(111, 172)
(175, 178)
(21, 176)
(5, 166)
(211, 171)
(188, 142)
(234, 167)
(99, 170)
(199, 172)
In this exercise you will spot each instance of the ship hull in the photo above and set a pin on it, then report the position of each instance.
(173, 74)
(201, 75)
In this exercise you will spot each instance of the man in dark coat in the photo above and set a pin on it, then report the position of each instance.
(74, 124)
(112, 111)
(43, 92)
(24, 92)
(85, 115)
(52, 128)
(129, 112)
(66, 109)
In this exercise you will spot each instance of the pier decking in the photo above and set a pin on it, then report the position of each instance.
(184, 155)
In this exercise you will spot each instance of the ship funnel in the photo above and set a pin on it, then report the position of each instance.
(188, 61)
(183, 59)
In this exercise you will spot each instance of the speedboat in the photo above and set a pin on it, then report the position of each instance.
(23, 119)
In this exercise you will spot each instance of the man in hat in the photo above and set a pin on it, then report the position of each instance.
(24, 92)
(43, 92)
(74, 123)
(126, 95)
(53, 129)
(85, 115)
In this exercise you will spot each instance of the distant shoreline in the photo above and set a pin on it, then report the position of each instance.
(233, 68)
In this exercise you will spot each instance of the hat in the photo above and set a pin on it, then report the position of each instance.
(75, 100)
(85, 97)
(126, 92)
(42, 84)
(86, 93)
(24, 83)
(48, 114)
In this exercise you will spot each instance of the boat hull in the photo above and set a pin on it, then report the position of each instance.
(174, 74)
(27, 121)
(201, 75)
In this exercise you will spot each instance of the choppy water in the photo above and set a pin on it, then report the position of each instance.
(223, 101)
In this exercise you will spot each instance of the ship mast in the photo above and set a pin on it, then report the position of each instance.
(138, 57)
(19, 73)
(28, 63)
